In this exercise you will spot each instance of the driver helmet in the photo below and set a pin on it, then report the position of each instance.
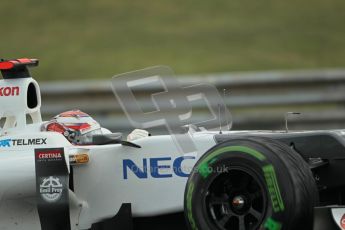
(77, 126)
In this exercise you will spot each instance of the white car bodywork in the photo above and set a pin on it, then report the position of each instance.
(151, 178)
(100, 186)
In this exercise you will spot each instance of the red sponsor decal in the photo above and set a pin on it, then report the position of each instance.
(49, 155)
(9, 91)
(6, 65)
(56, 127)
(74, 113)
(24, 60)
(10, 64)
(342, 222)
(80, 126)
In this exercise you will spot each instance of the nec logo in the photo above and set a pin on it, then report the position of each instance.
(9, 91)
(158, 168)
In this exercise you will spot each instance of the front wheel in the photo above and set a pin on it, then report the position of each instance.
(248, 184)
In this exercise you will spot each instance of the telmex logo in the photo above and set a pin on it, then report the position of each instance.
(157, 165)
(9, 91)
(5, 143)
(23, 142)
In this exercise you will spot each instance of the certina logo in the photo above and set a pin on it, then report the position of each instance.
(23, 142)
(51, 155)
(51, 189)
(9, 91)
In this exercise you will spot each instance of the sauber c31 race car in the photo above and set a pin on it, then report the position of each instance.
(232, 180)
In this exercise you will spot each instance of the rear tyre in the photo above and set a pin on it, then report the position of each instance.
(250, 183)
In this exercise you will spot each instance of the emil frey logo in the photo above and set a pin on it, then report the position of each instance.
(51, 189)
(23, 142)
(9, 91)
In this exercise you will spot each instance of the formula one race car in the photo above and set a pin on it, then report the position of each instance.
(64, 175)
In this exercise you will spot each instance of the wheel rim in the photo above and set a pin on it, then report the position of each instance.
(236, 200)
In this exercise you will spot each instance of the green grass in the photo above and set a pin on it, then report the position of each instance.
(99, 38)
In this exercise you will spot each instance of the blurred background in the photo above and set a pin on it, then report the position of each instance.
(272, 56)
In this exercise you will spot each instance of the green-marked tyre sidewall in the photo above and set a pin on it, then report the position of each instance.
(247, 154)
